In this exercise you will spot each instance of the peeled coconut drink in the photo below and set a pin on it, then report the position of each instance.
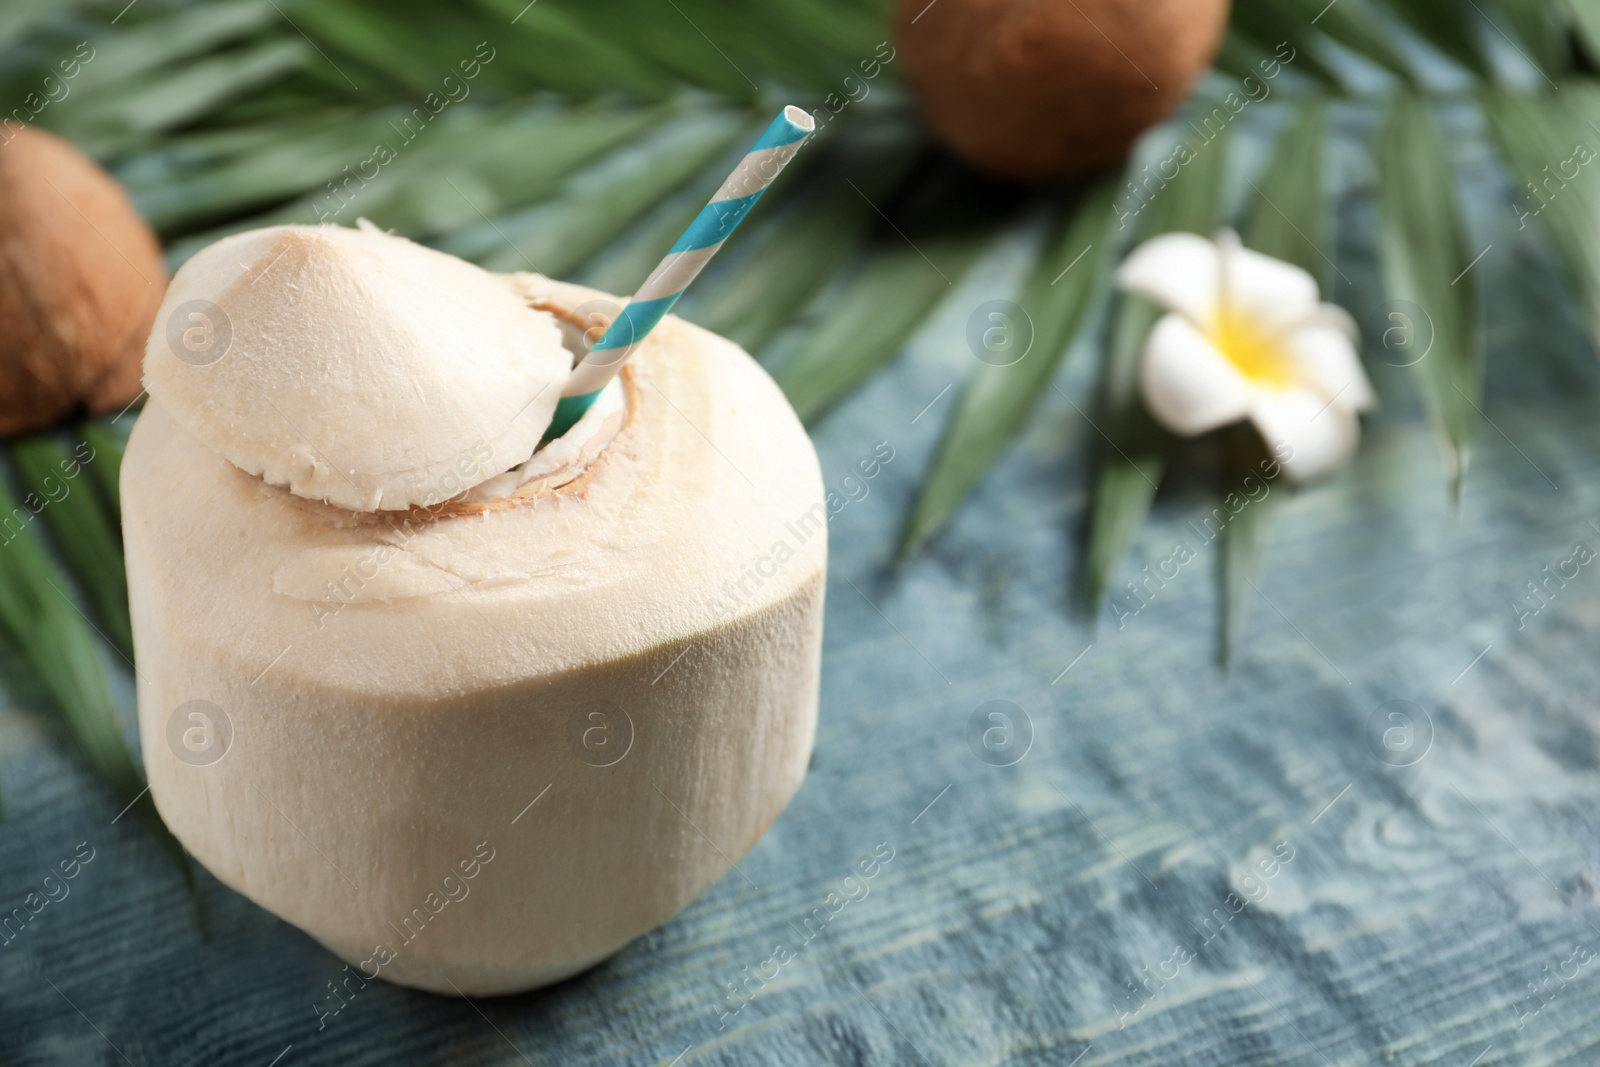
(471, 701)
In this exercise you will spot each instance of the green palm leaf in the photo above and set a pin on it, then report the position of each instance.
(84, 533)
(1304, 24)
(1057, 300)
(1260, 28)
(1130, 466)
(1134, 455)
(119, 58)
(557, 237)
(1289, 217)
(1454, 30)
(1585, 15)
(471, 165)
(1288, 221)
(1544, 149)
(1244, 541)
(107, 465)
(194, 180)
(866, 325)
(168, 99)
(1538, 28)
(1426, 258)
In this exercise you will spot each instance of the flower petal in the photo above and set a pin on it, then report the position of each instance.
(1179, 271)
(1264, 290)
(1310, 436)
(1188, 385)
(1336, 317)
(1326, 361)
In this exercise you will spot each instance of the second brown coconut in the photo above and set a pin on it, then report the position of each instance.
(81, 276)
(1032, 90)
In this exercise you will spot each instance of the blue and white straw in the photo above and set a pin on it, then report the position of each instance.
(684, 260)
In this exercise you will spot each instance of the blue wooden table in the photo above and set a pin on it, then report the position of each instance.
(1375, 840)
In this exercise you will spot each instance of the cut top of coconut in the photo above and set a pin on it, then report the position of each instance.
(354, 366)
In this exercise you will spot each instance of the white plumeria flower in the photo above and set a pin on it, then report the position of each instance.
(1248, 337)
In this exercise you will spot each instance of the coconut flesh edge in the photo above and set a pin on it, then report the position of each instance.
(354, 366)
(401, 687)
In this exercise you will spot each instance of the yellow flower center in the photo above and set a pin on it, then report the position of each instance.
(1255, 353)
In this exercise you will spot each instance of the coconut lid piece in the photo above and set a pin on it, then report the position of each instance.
(354, 366)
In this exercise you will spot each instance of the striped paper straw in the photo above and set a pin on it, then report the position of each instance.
(684, 260)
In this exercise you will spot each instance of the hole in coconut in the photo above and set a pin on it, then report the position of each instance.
(556, 462)
(562, 459)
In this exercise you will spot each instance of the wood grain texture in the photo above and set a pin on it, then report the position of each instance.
(1420, 903)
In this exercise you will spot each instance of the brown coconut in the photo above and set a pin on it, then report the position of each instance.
(1037, 89)
(81, 276)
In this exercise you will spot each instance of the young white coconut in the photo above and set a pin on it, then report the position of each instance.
(354, 366)
(479, 747)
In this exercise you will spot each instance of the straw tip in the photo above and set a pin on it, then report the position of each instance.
(799, 118)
